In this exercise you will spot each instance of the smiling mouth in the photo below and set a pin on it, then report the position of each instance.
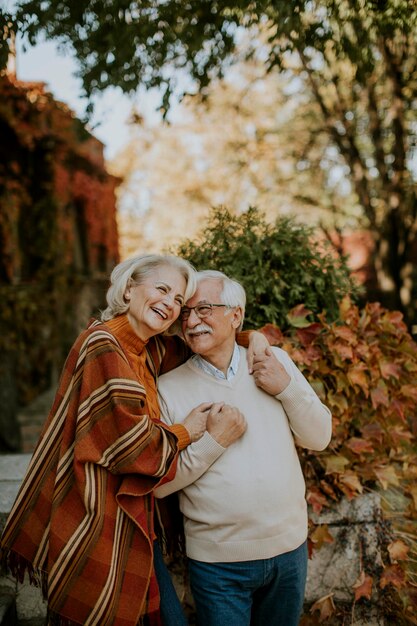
(199, 333)
(161, 314)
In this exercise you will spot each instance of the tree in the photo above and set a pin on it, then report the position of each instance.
(242, 146)
(357, 57)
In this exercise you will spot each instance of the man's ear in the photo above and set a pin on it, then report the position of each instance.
(236, 317)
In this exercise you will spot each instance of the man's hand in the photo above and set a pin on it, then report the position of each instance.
(269, 374)
(196, 420)
(257, 346)
(225, 424)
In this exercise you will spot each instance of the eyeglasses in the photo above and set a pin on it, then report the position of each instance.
(201, 310)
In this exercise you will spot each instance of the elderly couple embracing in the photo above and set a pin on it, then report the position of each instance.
(159, 396)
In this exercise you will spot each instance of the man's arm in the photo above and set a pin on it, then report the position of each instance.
(225, 424)
(310, 420)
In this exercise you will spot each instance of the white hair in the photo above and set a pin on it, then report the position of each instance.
(136, 270)
(233, 293)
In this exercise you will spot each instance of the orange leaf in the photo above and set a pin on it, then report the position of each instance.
(398, 550)
(321, 535)
(357, 376)
(409, 391)
(343, 332)
(392, 575)
(363, 586)
(352, 482)
(326, 607)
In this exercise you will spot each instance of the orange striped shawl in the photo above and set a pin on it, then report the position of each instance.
(82, 523)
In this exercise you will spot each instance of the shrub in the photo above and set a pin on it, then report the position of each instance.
(279, 265)
(364, 368)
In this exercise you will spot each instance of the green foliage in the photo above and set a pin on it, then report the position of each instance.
(364, 368)
(279, 265)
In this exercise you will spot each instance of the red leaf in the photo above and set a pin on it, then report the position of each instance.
(316, 499)
(393, 575)
(363, 586)
(359, 446)
(307, 335)
(273, 334)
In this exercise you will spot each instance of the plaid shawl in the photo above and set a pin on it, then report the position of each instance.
(82, 523)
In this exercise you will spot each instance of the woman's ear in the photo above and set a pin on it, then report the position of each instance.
(126, 295)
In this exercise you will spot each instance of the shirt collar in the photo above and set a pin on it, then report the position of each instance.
(210, 369)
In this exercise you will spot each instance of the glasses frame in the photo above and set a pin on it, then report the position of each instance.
(187, 310)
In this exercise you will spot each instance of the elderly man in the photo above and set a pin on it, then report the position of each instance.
(241, 488)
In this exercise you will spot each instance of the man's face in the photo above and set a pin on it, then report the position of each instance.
(213, 335)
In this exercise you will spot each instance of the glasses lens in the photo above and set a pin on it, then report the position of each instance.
(203, 310)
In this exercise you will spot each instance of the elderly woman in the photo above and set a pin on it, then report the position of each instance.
(82, 524)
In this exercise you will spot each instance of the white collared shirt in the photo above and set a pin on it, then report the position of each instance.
(208, 368)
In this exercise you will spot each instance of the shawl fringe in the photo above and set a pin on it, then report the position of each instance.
(18, 566)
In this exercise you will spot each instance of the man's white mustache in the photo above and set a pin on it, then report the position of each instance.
(201, 328)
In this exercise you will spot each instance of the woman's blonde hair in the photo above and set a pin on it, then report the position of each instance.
(136, 270)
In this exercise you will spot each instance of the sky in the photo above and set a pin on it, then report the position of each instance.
(44, 63)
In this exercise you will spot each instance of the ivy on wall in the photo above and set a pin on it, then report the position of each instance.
(58, 234)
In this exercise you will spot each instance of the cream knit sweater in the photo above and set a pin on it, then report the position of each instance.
(247, 501)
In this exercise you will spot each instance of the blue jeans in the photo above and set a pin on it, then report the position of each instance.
(267, 592)
(171, 610)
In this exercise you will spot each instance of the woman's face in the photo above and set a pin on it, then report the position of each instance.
(156, 303)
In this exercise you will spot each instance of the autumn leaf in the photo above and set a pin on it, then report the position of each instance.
(357, 376)
(316, 499)
(309, 333)
(336, 463)
(398, 550)
(344, 351)
(273, 334)
(388, 368)
(321, 535)
(386, 476)
(351, 481)
(363, 586)
(359, 446)
(325, 606)
(413, 492)
(297, 317)
(373, 431)
(392, 575)
(337, 400)
(409, 391)
(345, 333)
(379, 396)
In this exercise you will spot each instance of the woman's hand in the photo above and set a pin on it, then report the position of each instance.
(257, 345)
(196, 420)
